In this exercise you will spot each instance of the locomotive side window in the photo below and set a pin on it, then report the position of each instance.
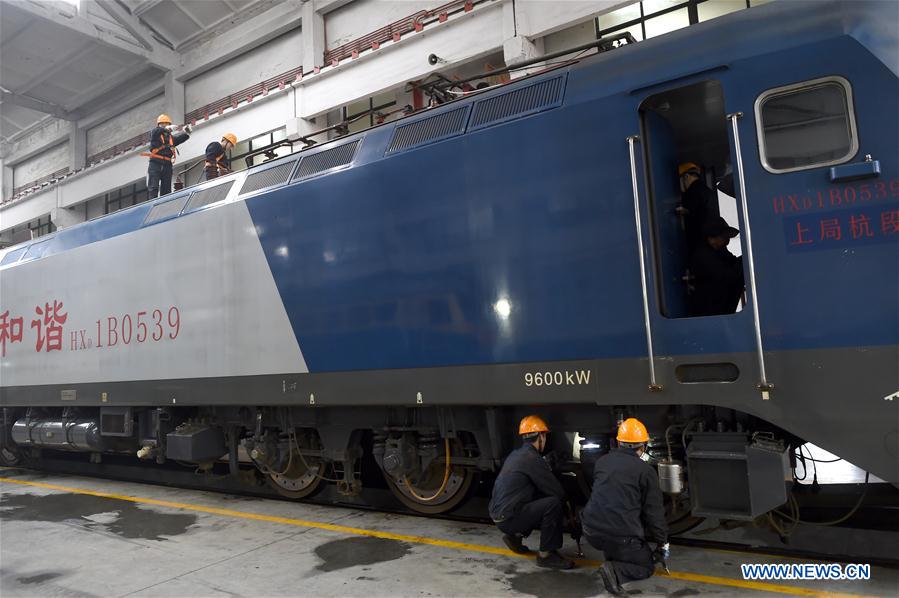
(807, 125)
(12, 256)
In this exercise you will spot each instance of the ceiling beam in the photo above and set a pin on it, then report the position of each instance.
(131, 24)
(326, 6)
(37, 105)
(144, 7)
(158, 56)
(279, 19)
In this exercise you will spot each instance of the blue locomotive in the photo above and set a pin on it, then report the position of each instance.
(399, 297)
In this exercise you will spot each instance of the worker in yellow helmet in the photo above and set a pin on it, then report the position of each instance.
(625, 510)
(527, 496)
(217, 161)
(162, 155)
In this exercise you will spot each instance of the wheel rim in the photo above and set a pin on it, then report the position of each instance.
(456, 490)
(298, 481)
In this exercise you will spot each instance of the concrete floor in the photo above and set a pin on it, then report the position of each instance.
(58, 542)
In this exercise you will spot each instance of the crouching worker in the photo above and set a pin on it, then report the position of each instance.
(527, 496)
(625, 510)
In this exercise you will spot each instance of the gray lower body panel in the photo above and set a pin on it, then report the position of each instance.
(835, 398)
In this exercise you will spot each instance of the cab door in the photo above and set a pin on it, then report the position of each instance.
(678, 124)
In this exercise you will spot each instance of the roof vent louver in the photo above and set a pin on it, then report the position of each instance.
(166, 209)
(326, 160)
(520, 102)
(207, 196)
(429, 130)
(270, 177)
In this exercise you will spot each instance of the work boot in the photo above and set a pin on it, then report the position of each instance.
(610, 580)
(554, 560)
(515, 545)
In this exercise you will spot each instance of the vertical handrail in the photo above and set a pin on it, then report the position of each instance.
(653, 385)
(763, 385)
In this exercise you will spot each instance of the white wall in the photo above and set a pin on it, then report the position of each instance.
(41, 165)
(138, 120)
(273, 58)
(569, 38)
(361, 17)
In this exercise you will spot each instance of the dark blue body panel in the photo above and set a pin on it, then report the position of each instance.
(400, 263)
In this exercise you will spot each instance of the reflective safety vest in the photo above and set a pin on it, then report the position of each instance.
(167, 142)
(217, 162)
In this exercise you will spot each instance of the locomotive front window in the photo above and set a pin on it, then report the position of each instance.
(808, 125)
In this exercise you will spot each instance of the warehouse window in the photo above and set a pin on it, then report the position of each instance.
(40, 227)
(369, 112)
(807, 125)
(651, 18)
(125, 197)
(260, 149)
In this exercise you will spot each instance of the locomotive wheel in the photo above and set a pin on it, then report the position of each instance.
(298, 481)
(418, 495)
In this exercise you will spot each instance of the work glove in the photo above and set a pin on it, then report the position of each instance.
(188, 129)
(661, 554)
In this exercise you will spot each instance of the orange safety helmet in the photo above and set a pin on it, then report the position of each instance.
(230, 137)
(163, 119)
(532, 425)
(632, 430)
(687, 167)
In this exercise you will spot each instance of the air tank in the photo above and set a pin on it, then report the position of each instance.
(671, 476)
(67, 435)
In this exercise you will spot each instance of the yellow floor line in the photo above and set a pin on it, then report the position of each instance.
(693, 577)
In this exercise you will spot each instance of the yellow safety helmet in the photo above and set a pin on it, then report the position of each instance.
(688, 167)
(632, 430)
(532, 425)
(230, 137)
(163, 119)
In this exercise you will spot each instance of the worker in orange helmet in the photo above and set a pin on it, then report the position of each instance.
(527, 496)
(217, 161)
(625, 510)
(162, 155)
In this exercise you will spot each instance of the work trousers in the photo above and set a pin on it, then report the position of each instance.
(544, 514)
(159, 178)
(631, 558)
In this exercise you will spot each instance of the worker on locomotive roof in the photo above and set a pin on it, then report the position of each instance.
(527, 496)
(625, 510)
(698, 203)
(717, 273)
(217, 161)
(162, 155)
